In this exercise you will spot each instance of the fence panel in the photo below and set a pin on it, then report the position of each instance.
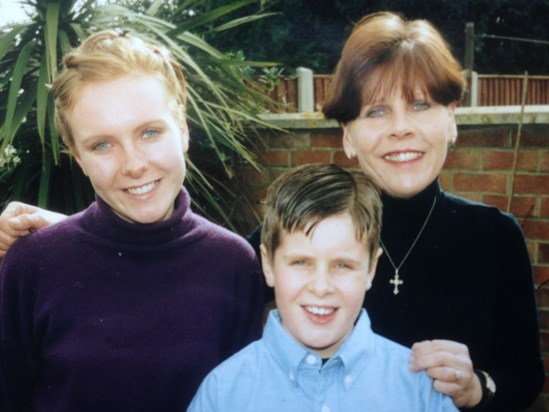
(493, 90)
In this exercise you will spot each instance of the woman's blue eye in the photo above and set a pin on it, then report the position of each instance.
(375, 112)
(421, 105)
(150, 133)
(101, 146)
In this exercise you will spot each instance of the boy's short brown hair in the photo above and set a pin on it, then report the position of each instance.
(302, 197)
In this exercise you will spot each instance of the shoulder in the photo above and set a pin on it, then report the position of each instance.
(222, 239)
(471, 214)
(233, 378)
(46, 240)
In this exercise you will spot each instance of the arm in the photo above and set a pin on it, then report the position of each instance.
(18, 358)
(19, 219)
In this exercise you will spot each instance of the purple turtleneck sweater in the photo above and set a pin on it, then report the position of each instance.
(98, 314)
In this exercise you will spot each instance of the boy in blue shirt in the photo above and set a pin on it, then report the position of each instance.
(319, 249)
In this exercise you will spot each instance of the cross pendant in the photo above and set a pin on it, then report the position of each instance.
(396, 281)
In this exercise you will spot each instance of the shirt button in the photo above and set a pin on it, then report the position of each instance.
(348, 380)
(325, 408)
(311, 359)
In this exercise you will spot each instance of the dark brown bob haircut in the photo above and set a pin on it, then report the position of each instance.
(386, 53)
(302, 197)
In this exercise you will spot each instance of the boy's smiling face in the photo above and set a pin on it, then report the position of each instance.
(320, 280)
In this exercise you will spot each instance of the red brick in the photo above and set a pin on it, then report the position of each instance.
(328, 140)
(542, 299)
(494, 200)
(538, 184)
(446, 179)
(544, 167)
(523, 206)
(481, 182)
(310, 156)
(276, 157)
(463, 159)
(544, 210)
(290, 141)
(475, 197)
(494, 160)
(536, 229)
(534, 137)
(541, 274)
(543, 253)
(485, 137)
(340, 159)
(527, 160)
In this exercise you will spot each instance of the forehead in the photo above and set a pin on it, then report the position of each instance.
(394, 81)
(119, 102)
(339, 231)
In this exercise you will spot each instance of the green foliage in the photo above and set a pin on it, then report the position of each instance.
(221, 108)
(311, 33)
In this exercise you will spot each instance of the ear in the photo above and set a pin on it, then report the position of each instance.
(348, 147)
(184, 136)
(372, 268)
(452, 131)
(266, 265)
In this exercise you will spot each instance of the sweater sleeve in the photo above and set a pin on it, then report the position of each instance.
(18, 355)
(517, 365)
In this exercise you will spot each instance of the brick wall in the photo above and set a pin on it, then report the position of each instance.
(479, 168)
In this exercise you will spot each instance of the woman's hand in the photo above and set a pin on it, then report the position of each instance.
(19, 219)
(448, 363)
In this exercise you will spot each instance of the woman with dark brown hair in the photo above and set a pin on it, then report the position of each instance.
(455, 280)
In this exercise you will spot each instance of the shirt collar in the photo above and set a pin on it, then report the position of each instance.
(353, 355)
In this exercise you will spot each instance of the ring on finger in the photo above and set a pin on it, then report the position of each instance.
(457, 375)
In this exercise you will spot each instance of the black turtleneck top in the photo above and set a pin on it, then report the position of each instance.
(468, 279)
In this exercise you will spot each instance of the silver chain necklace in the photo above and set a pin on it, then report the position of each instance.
(396, 281)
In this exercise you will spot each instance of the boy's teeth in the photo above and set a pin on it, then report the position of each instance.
(404, 157)
(143, 189)
(319, 311)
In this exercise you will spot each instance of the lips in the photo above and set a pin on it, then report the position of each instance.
(403, 157)
(320, 314)
(141, 190)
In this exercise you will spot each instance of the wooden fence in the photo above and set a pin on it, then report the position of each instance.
(491, 90)
(494, 90)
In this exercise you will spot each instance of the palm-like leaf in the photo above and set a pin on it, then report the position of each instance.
(221, 108)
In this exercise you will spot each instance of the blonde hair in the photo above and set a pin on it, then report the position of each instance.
(105, 56)
(385, 52)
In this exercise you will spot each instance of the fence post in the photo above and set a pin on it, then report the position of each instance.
(305, 90)
(469, 59)
(474, 89)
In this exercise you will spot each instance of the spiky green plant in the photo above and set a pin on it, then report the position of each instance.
(221, 107)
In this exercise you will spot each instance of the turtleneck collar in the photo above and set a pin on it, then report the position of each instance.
(99, 218)
(417, 204)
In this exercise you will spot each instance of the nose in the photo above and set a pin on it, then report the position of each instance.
(320, 283)
(134, 161)
(401, 127)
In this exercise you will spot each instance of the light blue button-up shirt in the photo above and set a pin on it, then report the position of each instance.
(276, 373)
